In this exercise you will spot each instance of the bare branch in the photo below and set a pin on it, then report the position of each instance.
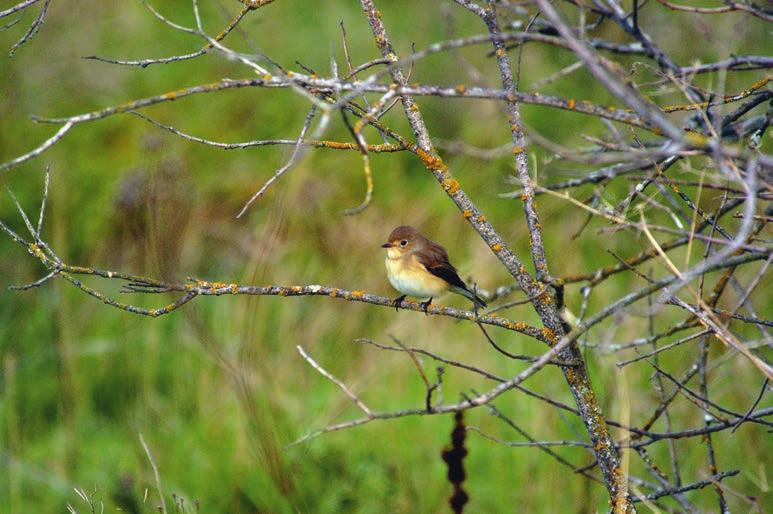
(353, 397)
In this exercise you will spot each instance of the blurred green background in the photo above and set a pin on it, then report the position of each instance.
(217, 388)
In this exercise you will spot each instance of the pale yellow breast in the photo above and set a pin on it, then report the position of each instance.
(409, 277)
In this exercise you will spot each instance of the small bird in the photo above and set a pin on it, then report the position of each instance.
(420, 268)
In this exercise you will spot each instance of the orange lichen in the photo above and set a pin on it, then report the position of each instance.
(337, 145)
(517, 150)
(169, 96)
(437, 164)
(431, 162)
(467, 213)
(358, 294)
(333, 293)
(481, 218)
(267, 76)
(461, 88)
(571, 103)
(497, 247)
(450, 185)
(757, 85)
(520, 326)
(549, 334)
(234, 289)
(500, 52)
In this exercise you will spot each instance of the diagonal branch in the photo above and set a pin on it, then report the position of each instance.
(467, 403)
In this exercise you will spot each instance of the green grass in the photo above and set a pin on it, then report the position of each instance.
(217, 388)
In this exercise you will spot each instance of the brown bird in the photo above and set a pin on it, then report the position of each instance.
(420, 268)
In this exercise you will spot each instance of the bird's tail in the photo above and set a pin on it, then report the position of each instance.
(469, 294)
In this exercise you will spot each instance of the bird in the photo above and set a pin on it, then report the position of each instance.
(419, 267)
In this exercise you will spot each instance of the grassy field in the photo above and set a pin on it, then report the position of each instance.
(217, 388)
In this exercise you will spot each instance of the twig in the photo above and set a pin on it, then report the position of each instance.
(746, 416)
(545, 448)
(48, 143)
(353, 397)
(33, 28)
(287, 166)
(691, 487)
(663, 348)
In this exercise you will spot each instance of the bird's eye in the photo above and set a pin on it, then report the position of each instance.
(403, 242)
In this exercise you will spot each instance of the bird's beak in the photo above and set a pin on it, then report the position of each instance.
(386, 245)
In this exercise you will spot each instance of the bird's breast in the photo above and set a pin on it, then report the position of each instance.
(409, 277)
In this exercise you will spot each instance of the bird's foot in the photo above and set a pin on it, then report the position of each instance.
(397, 302)
(425, 306)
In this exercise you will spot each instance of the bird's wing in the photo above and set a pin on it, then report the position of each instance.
(435, 259)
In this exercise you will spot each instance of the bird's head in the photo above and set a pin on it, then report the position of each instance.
(402, 240)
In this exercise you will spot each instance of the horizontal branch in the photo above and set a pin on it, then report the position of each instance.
(329, 85)
(331, 145)
(528, 444)
(196, 287)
